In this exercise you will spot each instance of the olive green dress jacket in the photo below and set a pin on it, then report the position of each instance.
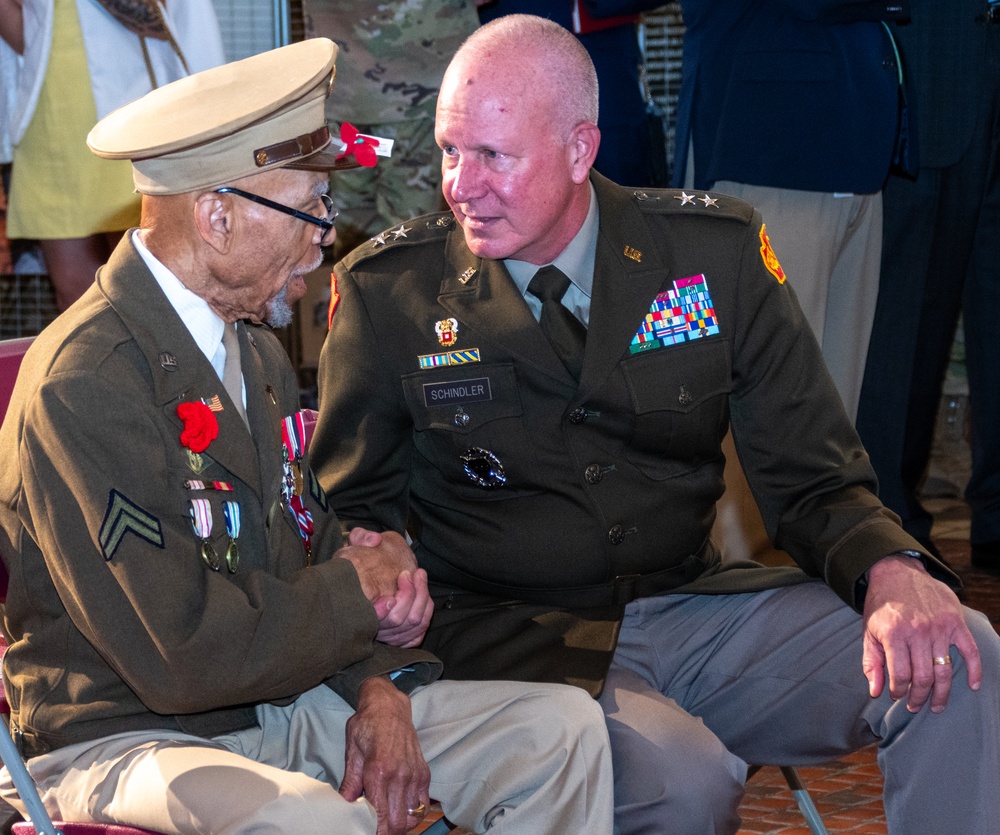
(541, 505)
(115, 619)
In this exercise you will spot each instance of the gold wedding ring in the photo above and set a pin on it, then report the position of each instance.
(942, 659)
(417, 811)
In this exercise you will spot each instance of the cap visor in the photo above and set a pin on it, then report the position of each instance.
(325, 160)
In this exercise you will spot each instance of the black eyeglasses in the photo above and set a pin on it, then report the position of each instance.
(324, 223)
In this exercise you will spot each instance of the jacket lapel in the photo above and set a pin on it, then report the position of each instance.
(178, 369)
(629, 271)
(263, 408)
(482, 294)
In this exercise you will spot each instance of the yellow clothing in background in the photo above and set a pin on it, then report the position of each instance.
(59, 189)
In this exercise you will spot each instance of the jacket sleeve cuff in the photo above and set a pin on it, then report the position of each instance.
(408, 668)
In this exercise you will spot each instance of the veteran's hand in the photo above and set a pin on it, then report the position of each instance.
(383, 760)
(379, 559)
(391, 580)
(911, 619)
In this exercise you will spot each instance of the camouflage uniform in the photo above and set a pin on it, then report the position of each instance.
(392, 57)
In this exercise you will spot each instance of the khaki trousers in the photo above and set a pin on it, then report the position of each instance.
(504, 757)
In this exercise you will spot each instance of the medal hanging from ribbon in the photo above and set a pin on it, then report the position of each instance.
(293, 436)
(201, 519)
(232, 513)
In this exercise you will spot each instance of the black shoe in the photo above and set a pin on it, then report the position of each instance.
(986, 555)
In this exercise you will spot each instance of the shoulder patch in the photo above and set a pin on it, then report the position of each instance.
(125, 516)
(768, 257)
(701, 203)
(414, 232)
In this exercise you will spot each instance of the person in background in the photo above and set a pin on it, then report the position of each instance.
(941, 258)
(392, 57)
(631, 154)
(794, 107)
(194, 645)
(537, 390)
(76, 62)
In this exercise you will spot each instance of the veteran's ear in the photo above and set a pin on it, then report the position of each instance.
(215, 220)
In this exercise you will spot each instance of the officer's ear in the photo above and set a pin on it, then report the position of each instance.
(584, 141)
(215, 220)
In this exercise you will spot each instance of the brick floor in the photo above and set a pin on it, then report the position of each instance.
(847, 793)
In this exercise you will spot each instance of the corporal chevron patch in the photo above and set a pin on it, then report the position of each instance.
(124, 516)
(317, 492)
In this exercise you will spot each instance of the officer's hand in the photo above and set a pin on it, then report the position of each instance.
(911, 619)
(383, 760)
(391, 580)
(404, 618)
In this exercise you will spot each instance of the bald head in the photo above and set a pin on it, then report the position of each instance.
(516, 123)
(540, 59)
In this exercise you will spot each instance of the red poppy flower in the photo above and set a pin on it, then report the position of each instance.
(361, 147)
(200, 425)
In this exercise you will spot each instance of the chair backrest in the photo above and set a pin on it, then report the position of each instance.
(11, 354)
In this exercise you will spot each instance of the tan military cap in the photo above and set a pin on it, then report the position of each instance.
(216, 126)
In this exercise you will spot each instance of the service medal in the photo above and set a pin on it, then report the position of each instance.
(201, 520)
(232, 514)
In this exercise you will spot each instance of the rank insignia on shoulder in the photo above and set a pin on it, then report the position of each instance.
(683, 314)
(448, 358)
(768, 256)
(122, 517)
(447, 331)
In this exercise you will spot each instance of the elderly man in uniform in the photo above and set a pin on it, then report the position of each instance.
(536, 387)
(192, 649)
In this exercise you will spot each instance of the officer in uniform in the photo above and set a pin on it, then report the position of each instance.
(557, 467)
(191, 647)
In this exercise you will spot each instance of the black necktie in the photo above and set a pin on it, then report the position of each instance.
(566, 333)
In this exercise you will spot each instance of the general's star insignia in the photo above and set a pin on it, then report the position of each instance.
(685, 198)
(379, 239)
(399, 233)
(709, 201)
